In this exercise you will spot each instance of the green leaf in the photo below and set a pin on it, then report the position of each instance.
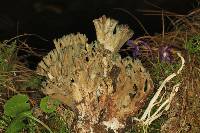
(49, 105)
(16, 105)
(17, 124)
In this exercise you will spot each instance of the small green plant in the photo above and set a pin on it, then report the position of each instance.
(193, 45)
(18, 109)
(57, 123)
(49, 105)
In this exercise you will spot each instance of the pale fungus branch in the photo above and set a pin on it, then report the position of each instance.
(111, 35)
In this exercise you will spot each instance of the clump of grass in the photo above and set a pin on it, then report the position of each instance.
(7, 64)
(193, 46)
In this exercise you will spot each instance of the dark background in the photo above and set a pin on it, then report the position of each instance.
(54, 18)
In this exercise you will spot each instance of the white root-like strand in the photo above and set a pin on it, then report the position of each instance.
(147, 118)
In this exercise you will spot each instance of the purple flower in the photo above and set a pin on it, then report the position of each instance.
(165, 53)
(135, 51)
(136, 47)
(130, 43)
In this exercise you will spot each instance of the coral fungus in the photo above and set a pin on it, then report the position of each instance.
(100, 87)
